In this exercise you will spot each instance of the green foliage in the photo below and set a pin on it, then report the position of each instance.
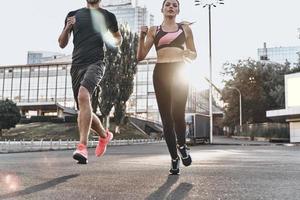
(9, 114)
(262, 88)
(117, 83)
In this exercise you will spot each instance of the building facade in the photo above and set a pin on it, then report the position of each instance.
(38, 88)
(129, 12)
(44, 89)
(36, 57)
(279, 54)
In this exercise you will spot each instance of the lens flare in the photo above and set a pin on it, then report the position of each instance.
(10, 182)
(191, 73)
(100, 27)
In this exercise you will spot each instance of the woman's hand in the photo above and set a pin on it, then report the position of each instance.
(144, 31)
(189, 55)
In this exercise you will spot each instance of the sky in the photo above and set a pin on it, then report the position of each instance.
(239, 27)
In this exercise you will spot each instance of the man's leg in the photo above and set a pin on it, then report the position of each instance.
(97, 126)
(85, 114)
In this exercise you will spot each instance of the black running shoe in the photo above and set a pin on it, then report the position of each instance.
(184, 154)
(174, 166)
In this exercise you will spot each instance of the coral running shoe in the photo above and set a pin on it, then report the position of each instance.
(102, 143)
(81, 154)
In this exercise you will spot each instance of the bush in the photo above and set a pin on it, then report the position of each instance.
(267, 130)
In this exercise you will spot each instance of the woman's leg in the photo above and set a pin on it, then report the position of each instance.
(178, 100)
(179, 96)
(162, 77)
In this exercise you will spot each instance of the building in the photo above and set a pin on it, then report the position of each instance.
(36, 57)
(129, 12)
(46, 89)
(291, 113)
(38, 89)
(119, 2)
(279, 54)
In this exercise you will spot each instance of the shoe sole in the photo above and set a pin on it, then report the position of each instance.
(174, 172)
(81, 159)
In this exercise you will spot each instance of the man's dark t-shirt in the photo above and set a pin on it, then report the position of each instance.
(87, 34)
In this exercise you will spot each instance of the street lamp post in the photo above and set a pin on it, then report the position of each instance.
(209, 5)
(240, 94)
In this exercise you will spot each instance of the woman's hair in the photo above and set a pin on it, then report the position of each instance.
(93, 1)
(165, 2)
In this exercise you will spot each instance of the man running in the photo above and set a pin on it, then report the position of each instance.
(91, 27)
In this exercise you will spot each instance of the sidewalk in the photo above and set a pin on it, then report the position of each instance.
(223, 140)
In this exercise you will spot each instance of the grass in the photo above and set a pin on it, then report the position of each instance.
(63, 131)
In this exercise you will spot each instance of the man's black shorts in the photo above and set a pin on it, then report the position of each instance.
(86, 76)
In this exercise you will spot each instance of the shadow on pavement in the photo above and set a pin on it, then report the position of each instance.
(39, 187)
(162, 191)
(181, 191)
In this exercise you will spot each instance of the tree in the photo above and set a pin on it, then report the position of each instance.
(9, 115)
(117, 83)
(262, 88)
(128, 68)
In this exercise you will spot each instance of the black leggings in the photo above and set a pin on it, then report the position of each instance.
(171, 89)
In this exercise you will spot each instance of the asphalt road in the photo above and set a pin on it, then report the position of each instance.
(141, 172)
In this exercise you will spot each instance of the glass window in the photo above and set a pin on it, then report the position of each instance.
(141, 104)
(16, 95)
(150, 76)
(7, 83)
(1, 85)
(142, 90)
(16, 83)
(142, 76)
(33, 83)
(51, 95)
(52, 82)
(61, 81)
(52, 71)
(61, 93)
(7, 94)
(42, 95)
(43, 83)
(17, 73)
(24, 95)
(25, 83)
(152, 104)
(150, 88)
(33, 95)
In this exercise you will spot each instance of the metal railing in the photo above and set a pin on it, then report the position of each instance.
(41, 145)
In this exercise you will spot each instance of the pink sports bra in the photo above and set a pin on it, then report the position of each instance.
(164, 39)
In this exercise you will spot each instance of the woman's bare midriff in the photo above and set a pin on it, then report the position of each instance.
(170, 54)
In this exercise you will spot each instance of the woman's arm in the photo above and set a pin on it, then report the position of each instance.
(190, 51)
(145, 46)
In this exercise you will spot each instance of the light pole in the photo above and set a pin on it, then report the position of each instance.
(209, 5)
(240, 94)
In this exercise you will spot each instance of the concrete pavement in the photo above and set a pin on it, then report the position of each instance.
(141, 172)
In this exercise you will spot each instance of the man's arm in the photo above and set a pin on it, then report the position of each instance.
(117, 38)
(66, 33)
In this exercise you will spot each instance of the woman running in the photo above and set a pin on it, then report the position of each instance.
(174, 44)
